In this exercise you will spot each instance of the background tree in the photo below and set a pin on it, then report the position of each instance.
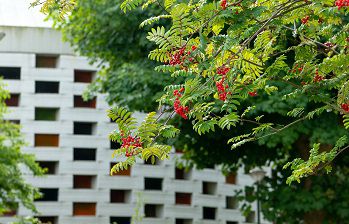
(13, 188)
(282, 203)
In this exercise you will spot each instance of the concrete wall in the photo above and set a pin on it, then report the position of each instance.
(19, 49)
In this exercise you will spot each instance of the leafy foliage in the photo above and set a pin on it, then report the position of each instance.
(14, 189)
(144, 144)
(286, 83)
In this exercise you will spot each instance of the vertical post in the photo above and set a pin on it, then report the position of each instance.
(258, 205)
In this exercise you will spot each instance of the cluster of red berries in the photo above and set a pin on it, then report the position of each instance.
(305, 19)
(180, 56)
(130, 143)
(221, 86)
(179, 109)
(224, 4)
(345, 107)
(222, 70)
(253, 94)
(317, 77)
(342, 3)
(296, 68)
(222, 89)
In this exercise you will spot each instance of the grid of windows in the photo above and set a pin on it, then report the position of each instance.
(81, 162)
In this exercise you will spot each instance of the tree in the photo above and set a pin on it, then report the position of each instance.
(230, 51)
(13, 188)
(280, 143)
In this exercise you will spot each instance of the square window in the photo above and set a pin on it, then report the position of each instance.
(231, 202)
(209, 188)
(10, 72)
(13, 101)
(153, 210)
(48, 219)
(79, 102)
(153, 184)
(85, 154)
(183, 198)
(84, 128)
(114, 145)
(184, 221)
(230, 178)
(120, 196)
(50, 166)
(209, 213)
(84, 209)
(83, 76)
(84, 181)
(48, 194)
(120, 220)
(182, 174)
(251, 218)
(123, 172)
(46, 87)
(231, 222)
(46, 61)
(46, 114)
(46, 140)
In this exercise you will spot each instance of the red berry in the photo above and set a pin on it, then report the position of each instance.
(253, 94)
(342, 3)
(345, 107)
(223, 4)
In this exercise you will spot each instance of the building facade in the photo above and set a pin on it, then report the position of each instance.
(69, 137)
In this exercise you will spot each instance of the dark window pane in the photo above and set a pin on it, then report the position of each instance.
(48, 194)
(114, 145)
(251, 218)
(46, 87)
(231, 178)
(13, 101)
(150, 210)
(153, 184)
(120, 220)
(83, 76)
(232, 203)
(83, 181)
(209, 188)
(209, 213)
(48, 219)
(46, 61)
(183, 198)
(10, 73)
(83, 128)
(119, 196)
(84, 209)
(51, 166)
(184, 221)
(84, 154)
(79, 102)
(48, 140)
(46, 114)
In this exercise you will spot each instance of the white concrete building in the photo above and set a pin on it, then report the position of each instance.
(69, 137)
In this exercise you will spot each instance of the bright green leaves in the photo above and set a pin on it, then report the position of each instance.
(316, 161)
(139, 141)
(346, 121)
(122, 117)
